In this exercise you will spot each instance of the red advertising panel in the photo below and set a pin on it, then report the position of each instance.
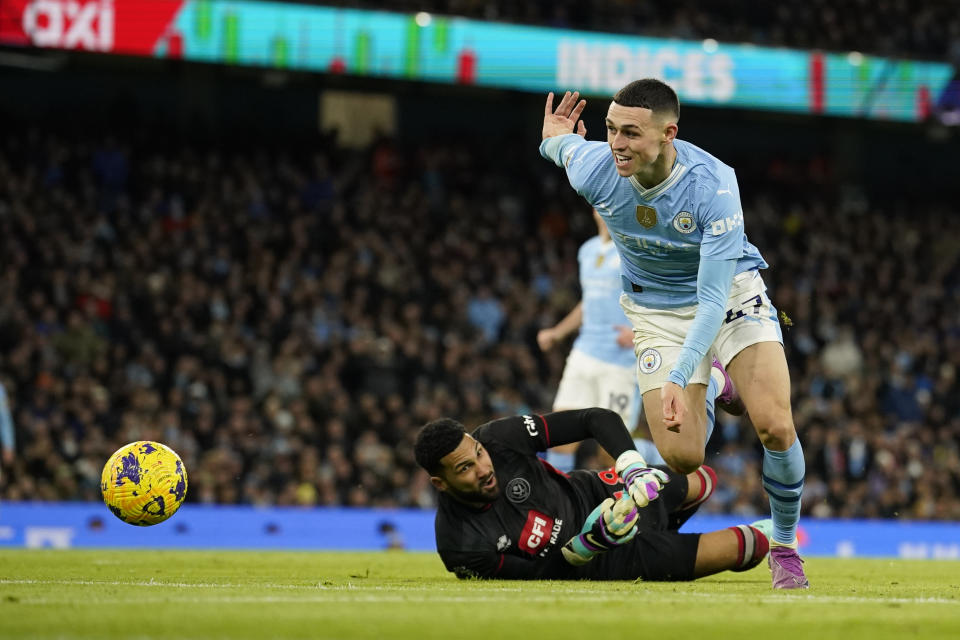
(118, 26)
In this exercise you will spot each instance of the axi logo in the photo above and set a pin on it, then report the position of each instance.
(70, 24)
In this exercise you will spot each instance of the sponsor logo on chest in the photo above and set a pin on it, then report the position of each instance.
(539, 534)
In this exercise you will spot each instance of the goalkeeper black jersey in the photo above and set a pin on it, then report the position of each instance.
(519, 535)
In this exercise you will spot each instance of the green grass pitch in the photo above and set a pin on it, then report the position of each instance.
(107, 594)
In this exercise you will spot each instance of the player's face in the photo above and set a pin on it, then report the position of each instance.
(636, 137)
(468, 474)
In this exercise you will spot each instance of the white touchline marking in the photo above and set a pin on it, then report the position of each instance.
(809, 597)
(486, 592)
(430, 598)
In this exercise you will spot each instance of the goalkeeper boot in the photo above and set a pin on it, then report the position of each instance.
(728, 399)
(708, 483)
(786, 567)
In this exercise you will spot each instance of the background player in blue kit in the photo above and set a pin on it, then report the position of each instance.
(692, 287)
(601, 368)
(7, 435)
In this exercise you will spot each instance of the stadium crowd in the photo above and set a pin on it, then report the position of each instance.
(286, 321)
(926, 29)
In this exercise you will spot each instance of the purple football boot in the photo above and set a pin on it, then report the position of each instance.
(786, 569)
(729, 400)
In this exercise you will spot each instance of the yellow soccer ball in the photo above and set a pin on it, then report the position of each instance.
(144, 483)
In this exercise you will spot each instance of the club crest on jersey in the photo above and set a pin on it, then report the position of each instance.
(649, 361)
(683, 222)
(518, 490)
(646, 216)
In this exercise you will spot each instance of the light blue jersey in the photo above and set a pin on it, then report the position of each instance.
(600, 283)
(661, 232)
(7, 436)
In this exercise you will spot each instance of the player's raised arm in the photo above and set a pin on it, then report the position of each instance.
(549, 337)
(534, 433)
(565, 118)
(565, 427)
(589, 165)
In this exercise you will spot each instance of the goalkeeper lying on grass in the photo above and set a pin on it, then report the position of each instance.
(505, 513)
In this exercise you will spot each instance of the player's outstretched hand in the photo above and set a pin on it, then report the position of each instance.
(624, 336)
(563, 120)
(641, 482)
(546, 338)
(609, 525)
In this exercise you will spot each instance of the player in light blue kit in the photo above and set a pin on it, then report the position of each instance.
(692, 287)
(601, 368)
(7, 436)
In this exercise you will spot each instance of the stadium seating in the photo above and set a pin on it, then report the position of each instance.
(286, 321)
(926, 29)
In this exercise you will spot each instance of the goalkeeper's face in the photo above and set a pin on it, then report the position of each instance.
(468, 474)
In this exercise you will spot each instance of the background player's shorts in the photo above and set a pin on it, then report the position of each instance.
(591, 382)
(658, 334)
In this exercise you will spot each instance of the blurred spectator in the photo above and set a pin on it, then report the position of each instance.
(485, 313)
